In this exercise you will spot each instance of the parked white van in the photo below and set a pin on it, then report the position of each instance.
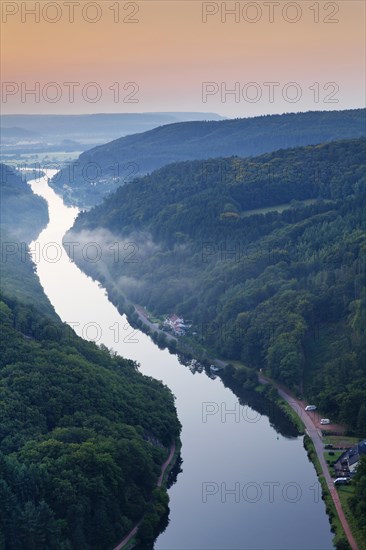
(310, 408)
(325, 421)
(341, 481)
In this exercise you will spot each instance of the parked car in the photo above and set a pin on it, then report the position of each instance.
(325, 421)
(310, 408)
(341, 481)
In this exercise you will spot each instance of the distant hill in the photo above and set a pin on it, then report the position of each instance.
(91, 129)
(15, 132)
(266, 256)
(100, 123)
(102, 169)
(23, 214)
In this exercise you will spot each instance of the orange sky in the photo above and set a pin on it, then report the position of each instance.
(169, 52)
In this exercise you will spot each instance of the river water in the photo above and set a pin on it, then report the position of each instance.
(243, 485)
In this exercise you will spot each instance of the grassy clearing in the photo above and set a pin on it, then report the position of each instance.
(237, 364)
(154, 320)
(332, 455)
(331, 459)
(278, 208)
(345, 492)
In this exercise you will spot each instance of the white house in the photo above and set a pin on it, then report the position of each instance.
(176, 324)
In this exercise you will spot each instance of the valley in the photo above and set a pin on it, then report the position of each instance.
(256, 253)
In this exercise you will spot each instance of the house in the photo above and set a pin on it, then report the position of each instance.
(176, 325)
(348, 461)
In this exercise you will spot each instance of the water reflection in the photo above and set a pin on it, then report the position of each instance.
(227, 443)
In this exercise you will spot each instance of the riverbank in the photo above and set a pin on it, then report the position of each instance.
(138, 316)
(214, 450)
(129, 540)
(314, 445)
(234, 374)
(294, 409)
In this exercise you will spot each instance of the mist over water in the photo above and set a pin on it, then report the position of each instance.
(243, 486)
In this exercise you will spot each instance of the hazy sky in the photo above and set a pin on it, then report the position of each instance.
(183, 55)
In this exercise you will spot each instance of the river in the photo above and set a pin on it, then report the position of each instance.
(243, 485)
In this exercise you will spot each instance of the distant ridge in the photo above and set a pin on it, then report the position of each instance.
(49, 132)
(119, 161)
(101, 123)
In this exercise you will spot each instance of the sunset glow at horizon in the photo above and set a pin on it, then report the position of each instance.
(237, 59)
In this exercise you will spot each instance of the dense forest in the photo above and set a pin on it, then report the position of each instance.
(102, 169)
(83, 434)
(22, 212)
(267, 256)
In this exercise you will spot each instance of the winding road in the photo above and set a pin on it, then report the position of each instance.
(308, 418)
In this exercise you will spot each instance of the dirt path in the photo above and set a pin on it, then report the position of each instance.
(128, 537)
(310, 419)
(133, 532)
(166, 464)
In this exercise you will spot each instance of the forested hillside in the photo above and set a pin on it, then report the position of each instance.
(83, 434)
(266, 255)
(102, 169)
(22, 212)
